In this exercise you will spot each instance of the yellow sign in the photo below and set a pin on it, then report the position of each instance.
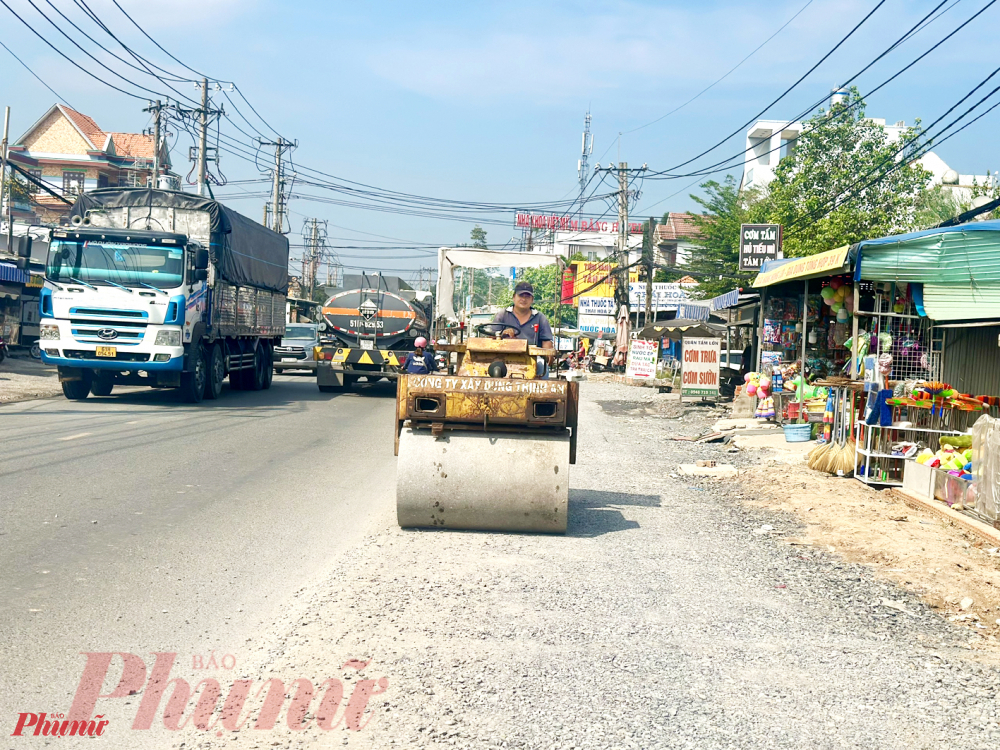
(37, 281)
(812, 265)
(581, 276)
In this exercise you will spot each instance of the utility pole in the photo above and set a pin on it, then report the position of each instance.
(3, 181)
(203, 136)
(156, 110)
(621, 288)
(277, 198)
(650, 253)
(314, 258)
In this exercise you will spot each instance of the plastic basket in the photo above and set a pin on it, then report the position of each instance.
(797, 433)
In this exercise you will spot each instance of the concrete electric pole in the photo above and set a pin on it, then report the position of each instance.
(203, 137)
(3, 178)
(156, 110)
(621, 288)
(277, 198)
(588, 149)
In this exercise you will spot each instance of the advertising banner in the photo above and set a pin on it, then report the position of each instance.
(759, 242)
(596, 323)
(700, 367)
(641, 361)
(590, 278)
(666, 295)
(597, 306)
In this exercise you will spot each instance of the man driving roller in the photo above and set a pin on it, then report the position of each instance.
(522, 321)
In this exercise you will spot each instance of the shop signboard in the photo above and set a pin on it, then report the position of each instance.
(759, 242)
(700, 367)
(596, 323)
(821, 264)
(591, 279)
(666, 295)
(597, 306)
(641, 361)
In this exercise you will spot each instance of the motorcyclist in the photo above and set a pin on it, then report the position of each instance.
(419, 361)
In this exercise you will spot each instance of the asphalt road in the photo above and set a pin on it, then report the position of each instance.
(139, 524)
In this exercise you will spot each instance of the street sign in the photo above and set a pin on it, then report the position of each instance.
(641, 361)
(700, 368)
(759, 242)
(666, 295)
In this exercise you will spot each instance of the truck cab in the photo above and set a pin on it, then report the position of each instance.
(116, 303)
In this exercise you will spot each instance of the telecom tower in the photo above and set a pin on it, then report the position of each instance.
(587, 150)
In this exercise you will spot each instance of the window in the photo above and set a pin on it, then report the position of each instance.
(32, 187)
(102, 181)
(787, 147)
(73, 183)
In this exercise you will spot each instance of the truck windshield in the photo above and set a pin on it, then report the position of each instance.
(125, 263)
(300, 332)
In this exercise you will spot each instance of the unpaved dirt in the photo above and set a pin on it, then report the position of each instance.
(22, 379)
(937, 560)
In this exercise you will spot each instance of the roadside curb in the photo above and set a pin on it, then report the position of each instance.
(983, 531)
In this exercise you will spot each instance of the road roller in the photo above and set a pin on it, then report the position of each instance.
(488, 447)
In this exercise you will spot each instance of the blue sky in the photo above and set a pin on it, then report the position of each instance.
(485, 101)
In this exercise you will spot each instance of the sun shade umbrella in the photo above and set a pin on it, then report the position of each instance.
(623, 330)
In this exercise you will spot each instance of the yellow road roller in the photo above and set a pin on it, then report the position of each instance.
(489, 447)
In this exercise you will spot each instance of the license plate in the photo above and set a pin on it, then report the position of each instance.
(369, 345)
(107, 351)
(288, 359)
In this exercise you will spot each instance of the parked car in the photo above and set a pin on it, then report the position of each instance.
(296, 349)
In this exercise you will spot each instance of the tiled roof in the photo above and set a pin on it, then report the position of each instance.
(86, 125)
(133, 144)
(677, 227)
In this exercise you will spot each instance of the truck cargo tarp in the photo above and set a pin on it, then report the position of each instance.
(250, 255)
(450, 257)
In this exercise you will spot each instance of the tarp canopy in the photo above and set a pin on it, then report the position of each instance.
(678, 328)
(958, 268)
(829, 263)
(451, 257)
(250, 254)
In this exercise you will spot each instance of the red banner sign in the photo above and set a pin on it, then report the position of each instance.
(567, 224)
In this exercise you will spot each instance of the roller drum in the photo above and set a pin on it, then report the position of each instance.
(483, 481)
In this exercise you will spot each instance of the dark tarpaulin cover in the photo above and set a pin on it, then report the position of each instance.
(250, 254)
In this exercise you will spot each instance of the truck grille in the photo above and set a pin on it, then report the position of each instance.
(122, 356)
(99, 312)
(86, 333)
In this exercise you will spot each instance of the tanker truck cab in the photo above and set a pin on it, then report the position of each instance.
(117, 303)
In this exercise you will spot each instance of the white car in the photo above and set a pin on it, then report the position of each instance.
(296, 349)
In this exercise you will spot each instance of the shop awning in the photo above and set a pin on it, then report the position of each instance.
(679, 328)
(958, 268)
(10, 272)
(829, 263)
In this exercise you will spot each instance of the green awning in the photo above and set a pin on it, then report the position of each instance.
(962, 302)
(967, 255)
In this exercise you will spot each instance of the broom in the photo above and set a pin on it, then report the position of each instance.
(825, 462)
(847, 461)
(817, 453)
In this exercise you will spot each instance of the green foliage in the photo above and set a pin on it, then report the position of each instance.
(818, 195)
(830, 167)
(478, 236)
(936, 205)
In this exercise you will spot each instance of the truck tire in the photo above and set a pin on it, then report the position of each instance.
(216, 372)
(255, 376)
(77, 390)
(102, 385)
(268, 366)
(193, 382)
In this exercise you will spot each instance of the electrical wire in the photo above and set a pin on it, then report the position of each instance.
(37, 77)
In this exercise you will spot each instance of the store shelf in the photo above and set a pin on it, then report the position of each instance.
(872, 454)
(879, 482)
(913, 428)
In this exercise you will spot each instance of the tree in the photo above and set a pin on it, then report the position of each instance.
(820, 195)
(478, 236)
(844, 181)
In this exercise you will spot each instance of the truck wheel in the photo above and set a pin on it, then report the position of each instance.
(268, 366)
(102, 385)
(193, 382)
(216, 373)
(256, 375)
(77, 390)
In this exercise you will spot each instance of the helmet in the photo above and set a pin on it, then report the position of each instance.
(420, 343)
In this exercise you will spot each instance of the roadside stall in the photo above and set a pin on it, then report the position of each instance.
(925, 341)
(806, 306)
(684, 335)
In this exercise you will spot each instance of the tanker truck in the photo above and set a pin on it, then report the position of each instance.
(369, 325)
(164, 289)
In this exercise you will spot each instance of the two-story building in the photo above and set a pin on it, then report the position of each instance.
(70, 153)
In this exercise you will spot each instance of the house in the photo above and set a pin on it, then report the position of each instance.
(70, 153)
(770, 141)
(674, 238)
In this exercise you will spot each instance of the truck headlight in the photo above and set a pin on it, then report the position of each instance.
(168, 338)
(49, 331)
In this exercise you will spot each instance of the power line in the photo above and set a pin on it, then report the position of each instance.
(37, 77)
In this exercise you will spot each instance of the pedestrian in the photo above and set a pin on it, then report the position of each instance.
(522, 321)
(419, 361)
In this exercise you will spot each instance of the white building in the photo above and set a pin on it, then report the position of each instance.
(769, 141)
